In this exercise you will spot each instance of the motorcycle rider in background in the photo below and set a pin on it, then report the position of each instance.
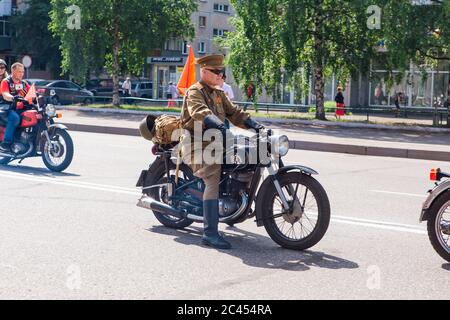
(11, 88)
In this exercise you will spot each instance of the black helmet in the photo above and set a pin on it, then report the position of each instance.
(3, 62)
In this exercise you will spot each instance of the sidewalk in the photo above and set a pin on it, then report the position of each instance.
(358, 139)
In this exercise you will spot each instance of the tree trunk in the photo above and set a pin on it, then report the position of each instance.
(319, 66)
(116, 66)
(319, 89)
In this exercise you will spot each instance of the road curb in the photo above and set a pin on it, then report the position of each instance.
(299, 145)
(350, 125)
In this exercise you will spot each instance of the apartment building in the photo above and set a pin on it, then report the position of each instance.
(7, 51)
(166, 65)
(6, 10)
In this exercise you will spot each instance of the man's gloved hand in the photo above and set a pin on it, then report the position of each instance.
(13, 105)
(252, 124)
(213, 122)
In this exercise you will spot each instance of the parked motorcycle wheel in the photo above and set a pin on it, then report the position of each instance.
(440, 213)
(296, 230)
(159, 177)
(58, 157)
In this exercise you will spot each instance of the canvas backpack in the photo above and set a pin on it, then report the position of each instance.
(160, 129)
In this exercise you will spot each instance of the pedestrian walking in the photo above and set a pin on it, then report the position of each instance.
(379, 95)
(172, 94)
(397, 102)
(126, 86)
(250, 94)
(340, 105)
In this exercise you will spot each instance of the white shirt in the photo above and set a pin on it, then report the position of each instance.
(126, 85)
(173, 90)
(228, 91)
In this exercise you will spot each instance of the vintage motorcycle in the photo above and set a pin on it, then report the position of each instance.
(291, 205)
(38, 136)
(436, 211)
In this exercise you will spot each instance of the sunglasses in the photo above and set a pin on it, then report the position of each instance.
(2, 67)
(217, 71)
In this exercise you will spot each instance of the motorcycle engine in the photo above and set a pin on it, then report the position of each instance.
(229, 202)
(227, 207)
(25, 136)
(21, 146)
(18, 148)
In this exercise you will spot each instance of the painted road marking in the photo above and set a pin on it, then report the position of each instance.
(384, 225)
(400, 193)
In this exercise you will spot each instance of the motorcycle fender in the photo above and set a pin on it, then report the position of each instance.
(57, 126)
(301, 169)
(142, 179)
(434, 195)
(259, 200)
(146, 175)
(51, 128)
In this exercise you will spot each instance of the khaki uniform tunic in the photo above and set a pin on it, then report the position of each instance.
(195, 109)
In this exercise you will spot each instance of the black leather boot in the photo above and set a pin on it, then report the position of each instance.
(5, 147)
(211, 236)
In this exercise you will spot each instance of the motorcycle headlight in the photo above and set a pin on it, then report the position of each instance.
(50, 110)
(280, 145)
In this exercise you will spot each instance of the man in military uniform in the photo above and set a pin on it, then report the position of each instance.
(208, 106)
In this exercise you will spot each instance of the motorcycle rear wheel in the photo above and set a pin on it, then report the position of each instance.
(439, 240)
(159, 177)
(315, 205)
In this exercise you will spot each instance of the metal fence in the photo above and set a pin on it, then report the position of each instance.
(438, 115)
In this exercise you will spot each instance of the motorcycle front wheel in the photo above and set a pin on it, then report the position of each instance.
(439, 226)
(307, 221)
(58, 154)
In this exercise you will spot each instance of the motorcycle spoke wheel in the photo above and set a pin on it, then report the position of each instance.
(58, 153)
(438, 226)
(306, 221)
(298, 225)
(55, 152)
(161, 194)
(442, 227)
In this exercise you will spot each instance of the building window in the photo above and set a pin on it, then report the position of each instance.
(173, 45)
(219, 32)
(4, 29)
(185, 50)
(39, 64)
(201, 47)
(202, 22)
(221, 8)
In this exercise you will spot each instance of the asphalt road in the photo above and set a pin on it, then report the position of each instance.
(79, 235)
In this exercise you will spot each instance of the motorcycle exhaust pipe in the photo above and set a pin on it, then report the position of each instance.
(149, 203)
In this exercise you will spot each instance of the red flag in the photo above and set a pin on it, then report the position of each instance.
(188, 77)
(31, 94)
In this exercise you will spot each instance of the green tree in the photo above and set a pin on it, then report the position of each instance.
(32, 36)
(298, 37)
(414, 33)
(320, 37)
(116, 34)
